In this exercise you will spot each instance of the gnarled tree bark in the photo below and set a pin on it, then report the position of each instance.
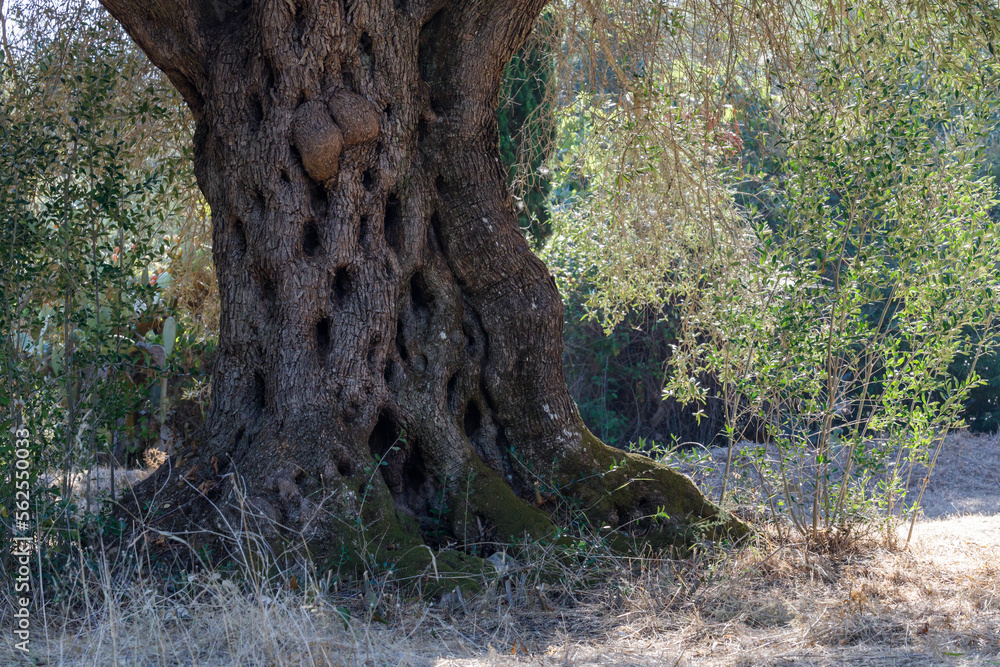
(389, 368)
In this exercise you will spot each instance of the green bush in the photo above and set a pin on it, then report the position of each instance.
(825, 265)
(89, 192)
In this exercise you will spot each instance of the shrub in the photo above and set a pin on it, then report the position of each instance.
(90, 191)
(830, 321)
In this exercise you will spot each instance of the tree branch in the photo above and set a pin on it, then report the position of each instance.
(506, 26)
(468, 44)
(8, 55)
(172, 34)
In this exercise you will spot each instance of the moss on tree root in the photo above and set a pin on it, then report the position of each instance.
(648, 504)
(637, 487)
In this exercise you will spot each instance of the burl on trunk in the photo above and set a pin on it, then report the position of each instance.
(389, 369)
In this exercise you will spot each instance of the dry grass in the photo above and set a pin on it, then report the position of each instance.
(934, 602)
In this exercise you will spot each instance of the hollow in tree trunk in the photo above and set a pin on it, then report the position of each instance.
(389, 369)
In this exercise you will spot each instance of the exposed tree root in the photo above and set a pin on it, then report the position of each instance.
(631, 501)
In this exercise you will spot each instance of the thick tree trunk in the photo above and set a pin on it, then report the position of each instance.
(389, 367)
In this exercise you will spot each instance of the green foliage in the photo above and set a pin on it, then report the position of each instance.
(982, 406)
(838, 337)
(617, 377)
(90, 188)
(620, 171)
(825, 264)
